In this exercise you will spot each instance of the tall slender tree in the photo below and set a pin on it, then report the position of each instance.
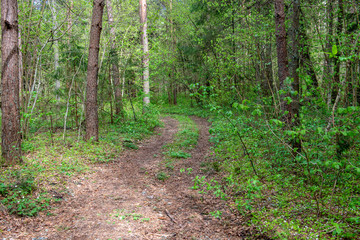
(56, 49)
(281, 47)
(92, 122)
(11, 135)
(339, 29)
(294, 65)
(328, 73)
(145, 58)
(173, 50)
(114, 61)
(305, 59)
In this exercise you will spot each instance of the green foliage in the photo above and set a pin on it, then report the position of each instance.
(129, 144)
(310, 181)
(220, 57)
(16, 190)
(162, 176)
(50, 161)
(291, 196)
(178, 154)
(216, 214)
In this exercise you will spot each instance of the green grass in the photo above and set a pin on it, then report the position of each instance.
(184, 141)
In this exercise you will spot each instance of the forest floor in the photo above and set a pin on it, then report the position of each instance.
(124, 199)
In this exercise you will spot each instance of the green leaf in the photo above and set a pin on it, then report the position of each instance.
(334, 50)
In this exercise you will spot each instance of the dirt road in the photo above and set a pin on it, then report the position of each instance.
(124, 199)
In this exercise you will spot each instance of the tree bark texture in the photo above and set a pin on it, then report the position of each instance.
(70, 20)
(294, 65)
(281, 47)
(145, 58)
(173, 50)
(305, 59)
(328, 75)
(294, 55)
(56, 51)
(114, 61)
(266, 70)
(339, 29)
(265, 56)
(92, 122)
(11, 133)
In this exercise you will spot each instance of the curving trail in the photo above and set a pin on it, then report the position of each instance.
(125, 200)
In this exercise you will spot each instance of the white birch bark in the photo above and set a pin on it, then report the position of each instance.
(56, 49)
(145, 58)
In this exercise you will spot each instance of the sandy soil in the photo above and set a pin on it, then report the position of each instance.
(124, 200)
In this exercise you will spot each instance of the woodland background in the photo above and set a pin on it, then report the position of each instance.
(278, 79)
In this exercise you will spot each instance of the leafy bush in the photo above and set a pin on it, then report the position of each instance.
(312, 195)
(16, 192)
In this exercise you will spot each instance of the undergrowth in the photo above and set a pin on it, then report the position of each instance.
(314, 195)
(50, 161)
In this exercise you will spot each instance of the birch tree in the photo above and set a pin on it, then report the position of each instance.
(56, 49)
(145, 58)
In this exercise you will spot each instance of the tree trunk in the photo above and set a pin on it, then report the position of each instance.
(145, 58)
(294, 56)
(70, 20)
(21, 71)
(11, 133)
(337, 64)
(56, 51)
(358, 83)
(92, 126)
(305, 60)
(173, 50)
(114, 62)
(175, 95)
(329, 61)
(265, 54)
(294, 65)
(281, 46)
(267, 74)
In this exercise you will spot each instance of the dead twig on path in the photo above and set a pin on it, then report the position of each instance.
(168, 214)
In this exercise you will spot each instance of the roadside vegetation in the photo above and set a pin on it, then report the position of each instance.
(50, 161)
(313, 195)
(279, 80)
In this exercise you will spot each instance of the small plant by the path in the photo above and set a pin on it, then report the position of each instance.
(184, 141)
(162, 176)
(179, 154)
(130, 144)
(50, 162)
(122, 214)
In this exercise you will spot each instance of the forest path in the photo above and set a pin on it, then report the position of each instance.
(124, 199)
